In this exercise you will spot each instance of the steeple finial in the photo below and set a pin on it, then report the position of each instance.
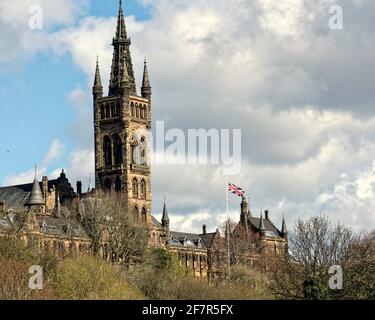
(165, 212)
(284, 229)
(36, 195)
(97, 88)
(121, 56)
(146, 87)
(121, 28)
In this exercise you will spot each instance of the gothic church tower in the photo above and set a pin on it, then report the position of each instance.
(122, 122)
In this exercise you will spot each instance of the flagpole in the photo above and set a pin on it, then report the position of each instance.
(226, 197)
(228, 225)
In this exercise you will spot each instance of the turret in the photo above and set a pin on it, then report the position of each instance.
(165, 218)
(146, 89)
(284, 230)
(36, 196)
(97, 89)
(121, 57)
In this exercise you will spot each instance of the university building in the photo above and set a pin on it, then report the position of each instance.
(46, 213)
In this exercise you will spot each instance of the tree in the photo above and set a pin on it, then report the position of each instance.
(88, 277)
(91, 214)
(107, 221)
(314, 246)
(242, 244)
(359, 269)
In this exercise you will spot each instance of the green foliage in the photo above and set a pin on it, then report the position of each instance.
(162, 260)
(13, 248)
(163, 279)
(316, 288)
(15, 261)
(90, 278)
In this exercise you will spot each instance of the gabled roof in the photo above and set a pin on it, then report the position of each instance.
(192, 240)
(156, 221)
(16, 197)
(208, 239)
(269, 229)
(61, 227)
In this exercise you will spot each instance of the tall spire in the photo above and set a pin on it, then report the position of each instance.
(284, 230)
(121, 57)
(121, 27)
(125, 80)
(165, 218)
(36, 196)
(97, 89)
(146, 87)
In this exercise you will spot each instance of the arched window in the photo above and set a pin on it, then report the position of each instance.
(142, 146)
(118, 185)
(144, 215)
(107, 111)
(135, 188)
(145, 112)
(107, 151)
(143, 189)
(136, 213)
(117, 149)
(102, 113)
(117, 109)
(132, 109)
(142, 113)
(113, 112)
(136, 111)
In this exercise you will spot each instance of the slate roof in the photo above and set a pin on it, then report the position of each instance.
(61, 227)
(182, 239)
(17, 196)
(270, 229)
(156, 222)
(208, 239)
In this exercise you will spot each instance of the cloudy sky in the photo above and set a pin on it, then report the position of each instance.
(302, 94)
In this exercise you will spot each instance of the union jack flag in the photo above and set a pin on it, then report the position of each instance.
(232, 188)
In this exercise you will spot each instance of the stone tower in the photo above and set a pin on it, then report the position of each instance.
(122, 122)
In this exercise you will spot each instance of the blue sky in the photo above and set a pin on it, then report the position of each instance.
(34, 101)
(301, 92)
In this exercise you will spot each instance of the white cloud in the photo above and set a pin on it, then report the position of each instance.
(16, 37)
(298, 91)
(53, 153)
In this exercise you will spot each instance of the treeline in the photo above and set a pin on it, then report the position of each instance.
(315, 246)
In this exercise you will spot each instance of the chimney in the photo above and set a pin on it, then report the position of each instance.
(204, 229)
(2, 206)
(79, 187)
(267, 214)
(45, 187)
